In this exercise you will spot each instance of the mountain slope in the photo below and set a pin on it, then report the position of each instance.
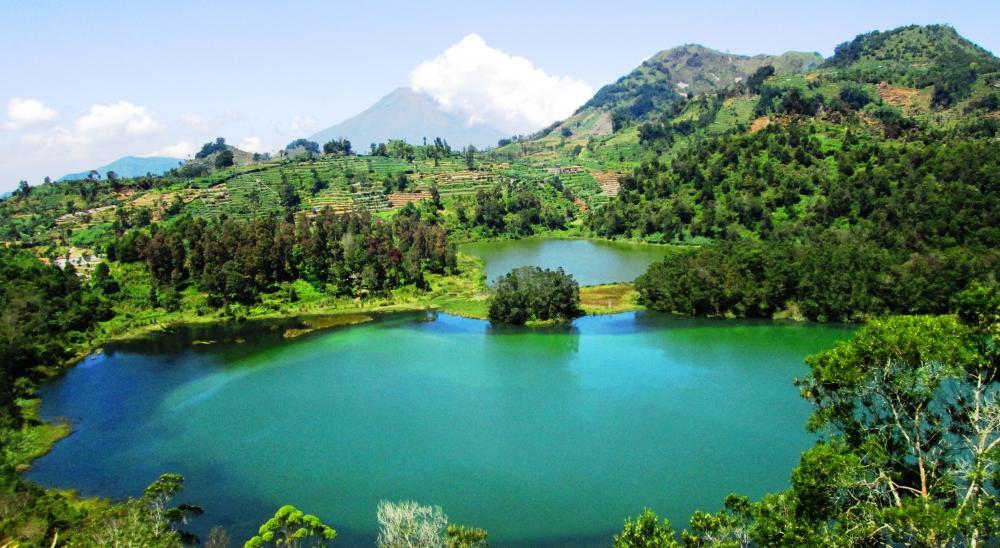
(664, 79)
(405, 114)
(917, 57)
(130, 166)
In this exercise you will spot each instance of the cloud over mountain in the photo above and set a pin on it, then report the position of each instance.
(489, 86)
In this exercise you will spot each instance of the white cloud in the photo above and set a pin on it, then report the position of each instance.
(116, 120)
(195, 122)
(22, 113)
(103, 131)
(201, 124)
(119, 122)
(55, 137)
(301, 124)
(502, 90)
(252, 144)
(182, 149)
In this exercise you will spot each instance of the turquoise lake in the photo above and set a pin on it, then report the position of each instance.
(591, 262)
(542, 437)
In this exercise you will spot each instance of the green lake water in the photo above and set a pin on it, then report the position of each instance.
(543, 437)
(591, 262)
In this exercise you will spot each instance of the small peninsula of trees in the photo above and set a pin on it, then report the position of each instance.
(533, 294)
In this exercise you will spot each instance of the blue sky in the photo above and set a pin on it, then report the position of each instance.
(98, 80)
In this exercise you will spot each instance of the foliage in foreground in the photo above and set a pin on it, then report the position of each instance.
(647, 531)
(292, 528)
(407, 524)
(530, 293)
(31, 516)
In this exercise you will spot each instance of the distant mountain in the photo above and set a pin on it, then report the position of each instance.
(666, 78)
(406, 114)
(130, 166)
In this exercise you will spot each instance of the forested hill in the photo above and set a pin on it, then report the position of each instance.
(661, 83)
(919, 57)
(866, 186)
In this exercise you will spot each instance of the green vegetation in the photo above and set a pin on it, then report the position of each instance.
(608, 298)
(291, 527)
(647, 531)
(234, 261)
(843, 191)
(46, 313)
(514, 211)
(532, 294)
(836, 224)
(42, 518)
(918, 57)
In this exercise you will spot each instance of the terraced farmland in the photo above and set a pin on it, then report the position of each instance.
(349, 183)
(400, 199)
(608, 182)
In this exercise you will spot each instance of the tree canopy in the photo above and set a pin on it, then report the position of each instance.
(530, 293)
(292, 528)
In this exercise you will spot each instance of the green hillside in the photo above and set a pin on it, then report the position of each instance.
(918, 57)
(662, 82)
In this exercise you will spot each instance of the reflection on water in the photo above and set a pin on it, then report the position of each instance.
(590, 262)
(542, 436)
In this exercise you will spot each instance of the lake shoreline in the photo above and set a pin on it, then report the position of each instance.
(453, 366)
(463, 295)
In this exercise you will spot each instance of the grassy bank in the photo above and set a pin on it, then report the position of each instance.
(609, 299)
(463, 294)
(35, 437)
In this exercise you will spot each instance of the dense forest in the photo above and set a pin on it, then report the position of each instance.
(45, 312)
(837, 222)
(513, 210)
(235, 260)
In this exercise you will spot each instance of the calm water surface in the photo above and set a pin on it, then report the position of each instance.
(543, 437)
(591, 262)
